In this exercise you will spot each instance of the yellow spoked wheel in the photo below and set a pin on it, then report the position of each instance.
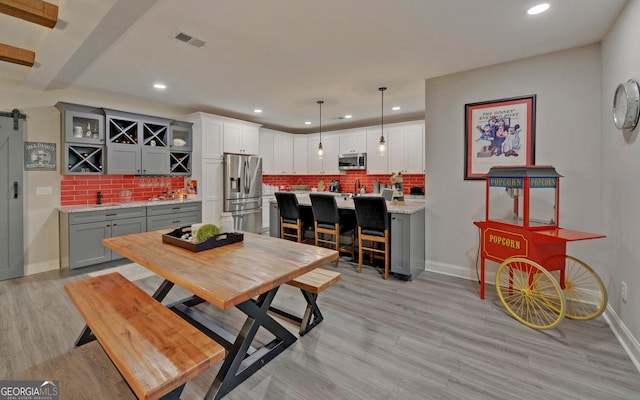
(530, 293)
(584, 292)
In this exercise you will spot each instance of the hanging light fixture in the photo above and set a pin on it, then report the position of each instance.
(320, 150)
(382, 146)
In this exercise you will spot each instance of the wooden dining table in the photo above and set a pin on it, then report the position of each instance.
(245, 275)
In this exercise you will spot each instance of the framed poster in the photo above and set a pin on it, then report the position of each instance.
(39, 156)
(499, 132)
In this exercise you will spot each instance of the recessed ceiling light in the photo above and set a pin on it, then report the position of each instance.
(307, 122)
(160, 86)
(257, 111)
(348, 116)
(396, 108)
(537, 9)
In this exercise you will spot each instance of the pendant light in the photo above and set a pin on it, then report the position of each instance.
(382, 146)
(320, 150)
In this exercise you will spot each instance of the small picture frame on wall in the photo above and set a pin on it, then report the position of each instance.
(499, 132)
(39, 156)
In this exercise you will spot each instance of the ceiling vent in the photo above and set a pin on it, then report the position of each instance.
(195, 42)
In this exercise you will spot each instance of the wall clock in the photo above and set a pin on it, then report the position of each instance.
(626, 105)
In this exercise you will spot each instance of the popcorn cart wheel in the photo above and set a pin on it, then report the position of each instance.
(530, 293)
(584, 292)
(537, 282)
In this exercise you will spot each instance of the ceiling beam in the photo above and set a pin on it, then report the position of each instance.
(36, 11)
(17, 55)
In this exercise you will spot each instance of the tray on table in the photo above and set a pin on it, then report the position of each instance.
(222, 239)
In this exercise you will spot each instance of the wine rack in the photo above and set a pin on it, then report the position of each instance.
(180, 163)
(155, 135)
(122, 131)
(83, 159)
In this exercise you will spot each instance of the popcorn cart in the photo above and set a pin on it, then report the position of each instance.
(536, 281)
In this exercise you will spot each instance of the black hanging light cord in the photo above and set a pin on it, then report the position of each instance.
(382, 89)
(320, 103)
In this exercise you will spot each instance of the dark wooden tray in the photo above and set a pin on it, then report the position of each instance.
(221, 239)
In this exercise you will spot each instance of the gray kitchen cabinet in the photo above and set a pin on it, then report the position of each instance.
(407, 244)
(82, 136)
(180, 145)
(173, 215)
(137, 144)
(81, 234)
(274, 220)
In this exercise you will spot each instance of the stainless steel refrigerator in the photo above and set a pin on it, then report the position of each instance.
(243, 191)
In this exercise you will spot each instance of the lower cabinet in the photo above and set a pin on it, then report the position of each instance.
(274, 220)
(407, 244)
(81, 234)
(173, 215)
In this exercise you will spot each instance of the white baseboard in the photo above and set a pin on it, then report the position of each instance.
(451, 270)
(460, 272)
(36, 268)
(625, 337)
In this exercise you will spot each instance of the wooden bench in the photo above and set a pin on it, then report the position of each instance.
(311, 284)
(155, 350)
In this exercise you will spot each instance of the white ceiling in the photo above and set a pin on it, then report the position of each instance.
(284, 55)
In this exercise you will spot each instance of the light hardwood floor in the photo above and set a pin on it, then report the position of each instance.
(432, 338)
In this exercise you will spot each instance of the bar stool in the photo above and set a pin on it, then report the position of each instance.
(292, 217)
(328, 220)
(373, 226)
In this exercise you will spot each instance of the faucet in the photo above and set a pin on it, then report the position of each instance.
(356, 186)
(99, 198)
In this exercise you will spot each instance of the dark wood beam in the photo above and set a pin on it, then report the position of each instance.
(17, 55)
(36, 11)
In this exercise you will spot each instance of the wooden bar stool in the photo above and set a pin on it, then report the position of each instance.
(328, 220)
(292, 217)
(373, 226)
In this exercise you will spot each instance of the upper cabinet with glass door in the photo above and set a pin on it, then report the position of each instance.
(81, 124)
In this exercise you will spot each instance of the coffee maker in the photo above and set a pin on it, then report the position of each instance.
(334, 186)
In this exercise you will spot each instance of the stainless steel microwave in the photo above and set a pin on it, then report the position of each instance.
(352, 161)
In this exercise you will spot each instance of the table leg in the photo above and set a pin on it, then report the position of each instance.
(482, 278)
(237, 365)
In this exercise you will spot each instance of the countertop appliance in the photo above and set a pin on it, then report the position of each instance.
(417, 190)
(334, 186)
(243, 191)
(352, 161)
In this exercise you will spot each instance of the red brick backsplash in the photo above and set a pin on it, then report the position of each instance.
(77, 190)
(346, 181)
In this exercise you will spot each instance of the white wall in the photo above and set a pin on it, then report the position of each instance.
(621, 175)
(43, 125)
(568, 136)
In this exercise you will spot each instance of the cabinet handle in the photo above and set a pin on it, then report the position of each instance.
(111, 215)
(175, 222)
(15, 189)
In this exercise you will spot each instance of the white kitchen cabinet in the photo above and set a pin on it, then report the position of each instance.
(207, 166)
(376, 164)
(329, 163)
(300, 154)
(266, 152)
(241, 137)
(282, 153)
(353, 141)
(406, 148)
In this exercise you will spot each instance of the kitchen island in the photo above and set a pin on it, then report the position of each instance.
(407, 222)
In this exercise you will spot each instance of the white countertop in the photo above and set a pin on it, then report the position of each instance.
(410, 206)
(128, 204)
